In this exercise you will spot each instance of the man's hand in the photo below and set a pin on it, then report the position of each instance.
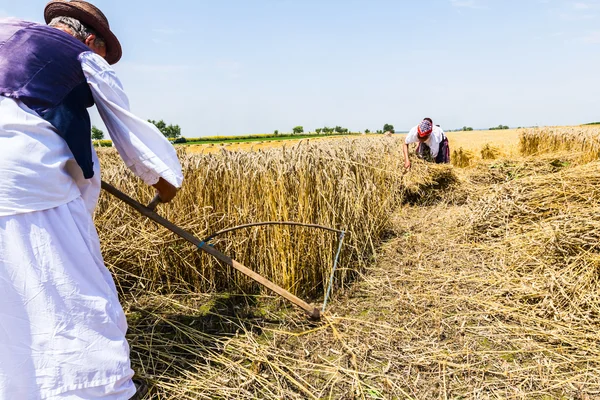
(165, 190)
(407, 164)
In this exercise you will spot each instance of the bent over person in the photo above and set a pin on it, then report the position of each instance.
(62, 329)
(432, 143)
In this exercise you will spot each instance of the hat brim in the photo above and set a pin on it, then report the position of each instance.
(61, 8)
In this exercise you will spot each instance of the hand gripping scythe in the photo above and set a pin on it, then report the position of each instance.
(149, 212)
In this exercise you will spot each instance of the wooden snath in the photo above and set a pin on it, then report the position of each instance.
(149, 212)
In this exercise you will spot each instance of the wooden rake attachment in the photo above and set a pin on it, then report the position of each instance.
(149, 212)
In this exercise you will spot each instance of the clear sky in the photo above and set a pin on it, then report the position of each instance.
(252, 66)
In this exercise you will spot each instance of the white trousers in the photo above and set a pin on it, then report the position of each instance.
(62, 329)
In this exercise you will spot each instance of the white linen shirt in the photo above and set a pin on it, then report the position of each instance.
(434, 140)
(37, 169)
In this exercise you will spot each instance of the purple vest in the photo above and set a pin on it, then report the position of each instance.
(39, 66)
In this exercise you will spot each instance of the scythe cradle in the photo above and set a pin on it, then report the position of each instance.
(148, 211)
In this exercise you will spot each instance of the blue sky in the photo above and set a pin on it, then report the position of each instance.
(253, 66)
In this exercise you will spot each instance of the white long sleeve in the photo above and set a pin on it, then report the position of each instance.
(140, 144)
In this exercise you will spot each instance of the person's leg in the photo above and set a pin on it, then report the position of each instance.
(443, 156)
(62, 327)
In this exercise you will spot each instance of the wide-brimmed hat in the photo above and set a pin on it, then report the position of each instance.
(91, 16)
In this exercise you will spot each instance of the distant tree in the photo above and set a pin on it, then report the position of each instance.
(388, 128)
(467, 128)
(169, 131)
(318, 130)
(327, 130)
(298, 129)
(276, 132)
(97, 134)
(367, 131)
(345, 130)
(379, 131)
(499, 127)
(173, 131)
(338, 129)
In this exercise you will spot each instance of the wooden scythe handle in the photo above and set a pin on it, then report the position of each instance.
(155, 202)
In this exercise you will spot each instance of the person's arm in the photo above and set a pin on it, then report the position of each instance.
(143, 148)
(406, 159)
(411, 137)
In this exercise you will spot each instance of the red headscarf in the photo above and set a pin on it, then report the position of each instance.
(425, 128)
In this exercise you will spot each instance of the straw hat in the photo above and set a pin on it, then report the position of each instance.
(90, 16)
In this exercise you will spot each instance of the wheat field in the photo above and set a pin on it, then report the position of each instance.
(350, 185)
(456, 282)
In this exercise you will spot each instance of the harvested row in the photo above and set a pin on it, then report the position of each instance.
(538, 198)
(352, 185)
(510, 308)
(537, 239)
(549, 227)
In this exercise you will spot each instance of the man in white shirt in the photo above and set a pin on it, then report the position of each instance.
(432, 143)
(62, 329)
